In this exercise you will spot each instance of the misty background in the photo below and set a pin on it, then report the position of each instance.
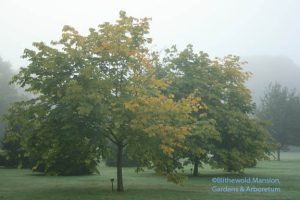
(266, 33)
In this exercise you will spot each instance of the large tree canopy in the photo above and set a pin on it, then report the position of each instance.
(102, 87)
(226, 135)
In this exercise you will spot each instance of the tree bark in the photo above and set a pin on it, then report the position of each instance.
(278, 154)
(120, 187)
(196, 166)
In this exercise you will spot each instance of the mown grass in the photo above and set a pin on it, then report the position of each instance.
(25, 185)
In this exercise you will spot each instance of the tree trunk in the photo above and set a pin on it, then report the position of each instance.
(196, 165)
(120, 187)
(278, 154)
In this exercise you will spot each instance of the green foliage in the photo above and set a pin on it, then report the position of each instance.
(55, 143)
(244, 142)
(15, 152)
(244, 139)
(192, 73)
(281, 107)
(226, 135)
(14, 155)
(2, 158)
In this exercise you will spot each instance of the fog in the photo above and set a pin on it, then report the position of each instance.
(219, 27)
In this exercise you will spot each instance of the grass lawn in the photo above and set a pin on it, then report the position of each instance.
(25, 185)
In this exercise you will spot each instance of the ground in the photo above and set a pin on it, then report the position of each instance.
(24, 185)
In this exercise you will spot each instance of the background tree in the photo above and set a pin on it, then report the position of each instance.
(281, 107)
(225, 129)
(15, 154)
(52, 142)
(244, 139)
(191, 73)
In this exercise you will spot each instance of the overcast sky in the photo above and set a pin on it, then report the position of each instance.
(218, 27)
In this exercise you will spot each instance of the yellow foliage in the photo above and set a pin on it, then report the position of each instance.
(166, 149)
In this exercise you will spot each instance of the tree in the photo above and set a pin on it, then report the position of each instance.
(107, 81)
(244, 138)
(226, 134)
(15, 154)
(281, 107)
(192, 73)
(52, 142)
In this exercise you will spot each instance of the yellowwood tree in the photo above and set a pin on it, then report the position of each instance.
(109, 81)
